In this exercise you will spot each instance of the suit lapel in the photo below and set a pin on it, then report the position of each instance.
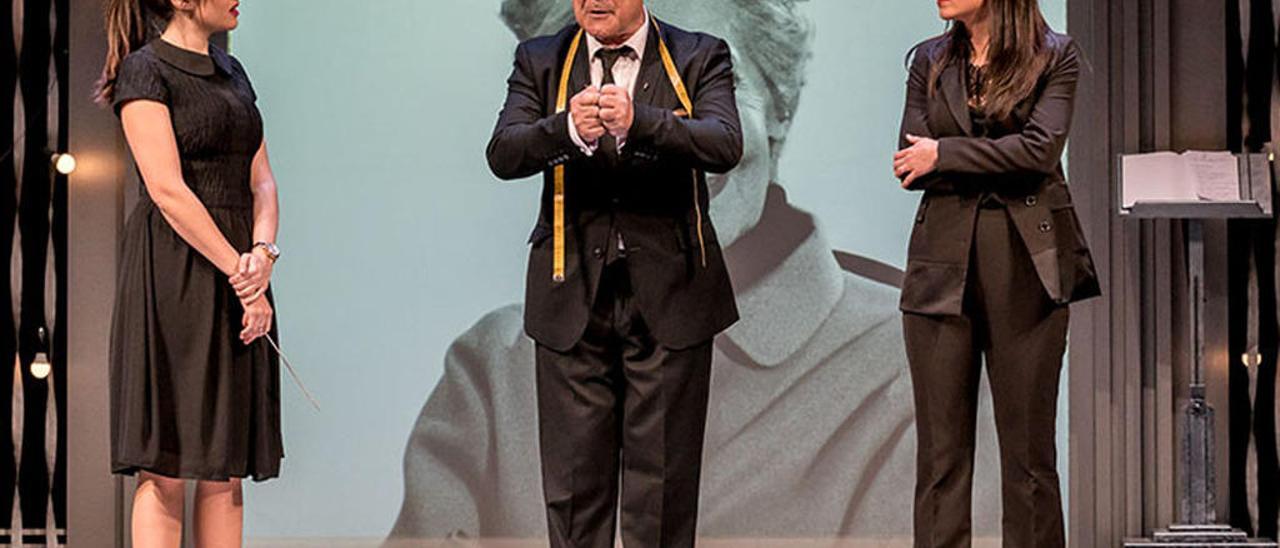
(580, 76)
(652, 74)
(956, 96)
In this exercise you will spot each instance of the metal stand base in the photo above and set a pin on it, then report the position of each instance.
(1199, 536)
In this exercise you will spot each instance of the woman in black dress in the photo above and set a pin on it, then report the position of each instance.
(995, 258)
(194, 392)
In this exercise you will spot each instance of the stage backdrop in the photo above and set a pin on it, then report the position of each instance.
(404, 262)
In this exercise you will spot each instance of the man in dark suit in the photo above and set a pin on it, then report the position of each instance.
(810, 386)
(626, 285)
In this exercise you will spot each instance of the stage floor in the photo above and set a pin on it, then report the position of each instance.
(536, 543)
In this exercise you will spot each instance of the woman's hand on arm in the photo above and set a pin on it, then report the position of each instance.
(257, 320)
(253, 275)
(916, 157)
(915, 161)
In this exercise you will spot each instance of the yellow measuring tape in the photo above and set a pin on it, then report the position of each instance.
(562, 99)
(557, 226)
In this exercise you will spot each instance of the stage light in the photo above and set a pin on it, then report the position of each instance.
(64, 162)
(40, 367)
(1251, 359)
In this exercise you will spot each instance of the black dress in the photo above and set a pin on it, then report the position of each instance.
(188, 399)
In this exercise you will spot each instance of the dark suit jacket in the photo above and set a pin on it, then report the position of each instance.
(1022, 167)
(648, 197)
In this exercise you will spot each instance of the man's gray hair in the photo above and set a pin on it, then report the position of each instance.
(770, 34)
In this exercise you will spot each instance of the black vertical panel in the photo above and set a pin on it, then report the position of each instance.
(1259, 74)
(1238, 250)
(33, 224)
(8, 206)
(1268, 446)
(1261, 81)
(58, 342)
(1264, 420)
(1253, 415)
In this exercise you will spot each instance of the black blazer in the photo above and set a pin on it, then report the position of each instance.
(649, 196)
(1023, 167)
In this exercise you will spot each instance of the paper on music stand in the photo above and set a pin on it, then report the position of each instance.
(1188, 177)
(1217, 174)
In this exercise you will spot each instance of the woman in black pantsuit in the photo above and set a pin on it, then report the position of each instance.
(194, 391)
(995, 258)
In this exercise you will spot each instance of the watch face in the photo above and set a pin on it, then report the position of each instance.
(271, 249)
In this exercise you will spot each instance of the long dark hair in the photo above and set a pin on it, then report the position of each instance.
(1016, 55)
(129, 25)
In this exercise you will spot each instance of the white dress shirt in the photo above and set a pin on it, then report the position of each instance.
(625, 73)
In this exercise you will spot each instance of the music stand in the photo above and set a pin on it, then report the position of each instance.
(1197, 514)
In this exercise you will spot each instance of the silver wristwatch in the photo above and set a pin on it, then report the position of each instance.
(273, 252)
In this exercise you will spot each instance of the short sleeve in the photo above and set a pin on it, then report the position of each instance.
(139, 79)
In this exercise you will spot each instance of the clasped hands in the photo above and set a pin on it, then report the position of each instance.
(252, 277)
(597, 111)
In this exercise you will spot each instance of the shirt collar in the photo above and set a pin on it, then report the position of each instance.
(786, 303)
(637, 42)
(189, 61)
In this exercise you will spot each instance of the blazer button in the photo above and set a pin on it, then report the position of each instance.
(597, 253)
(1045, 226)
(1032, 201)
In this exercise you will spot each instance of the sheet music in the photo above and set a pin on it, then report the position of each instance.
(1217, 174)
(1191, 176)
(1157, 177)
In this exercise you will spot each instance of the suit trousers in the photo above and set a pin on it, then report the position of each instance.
(619, 408)
(1009, 319)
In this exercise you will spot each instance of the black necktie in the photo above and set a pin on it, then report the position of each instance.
(609, 57)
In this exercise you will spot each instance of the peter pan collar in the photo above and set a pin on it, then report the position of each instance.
(189, 61)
